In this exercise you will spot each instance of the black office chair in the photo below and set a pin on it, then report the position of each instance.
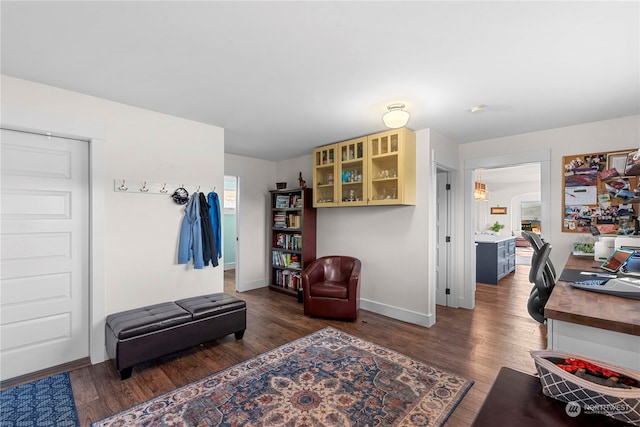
(536, 243)
(543, 283)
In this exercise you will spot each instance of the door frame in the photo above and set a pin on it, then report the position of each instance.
(468, 286)
(16, 118)
(237, 215)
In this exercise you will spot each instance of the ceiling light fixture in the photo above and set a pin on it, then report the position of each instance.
(396, 117)
(478, 109)
(480, 189)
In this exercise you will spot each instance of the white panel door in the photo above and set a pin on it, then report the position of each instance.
(44, 252)
(442, 235)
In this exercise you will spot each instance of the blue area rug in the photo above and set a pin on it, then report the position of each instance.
(42, 403)
(328, 378)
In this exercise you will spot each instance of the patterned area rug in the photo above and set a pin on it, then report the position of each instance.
(45, 402)
(328, 378)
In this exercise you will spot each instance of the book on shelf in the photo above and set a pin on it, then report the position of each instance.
(288, 279)
(294, 221)
(282, 220)
(292, 242)
(293, 261)
(286, 259)
(282, 201)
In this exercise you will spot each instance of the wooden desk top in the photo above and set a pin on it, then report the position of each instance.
(591, 308)
(516, 400)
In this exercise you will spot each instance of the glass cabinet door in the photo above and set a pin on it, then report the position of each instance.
(352, 190)
(324, 176)
(384, 168)
(377, 169)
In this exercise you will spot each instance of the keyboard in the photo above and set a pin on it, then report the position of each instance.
(593, 282)
(624, 287)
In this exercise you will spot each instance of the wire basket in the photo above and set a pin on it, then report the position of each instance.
(618, 403)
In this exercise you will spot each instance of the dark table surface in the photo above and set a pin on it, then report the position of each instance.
(516, 400)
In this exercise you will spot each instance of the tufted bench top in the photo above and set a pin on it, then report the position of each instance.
(210, 305)
(139, 321)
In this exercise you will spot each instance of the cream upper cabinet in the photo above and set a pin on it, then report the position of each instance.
(378, 169)
(391, 158)
(352, 164)
(325, 179)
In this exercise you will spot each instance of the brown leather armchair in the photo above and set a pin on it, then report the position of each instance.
(331, 287)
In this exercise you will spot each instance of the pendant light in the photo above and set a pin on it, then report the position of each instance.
(480, 189)
(396, 117)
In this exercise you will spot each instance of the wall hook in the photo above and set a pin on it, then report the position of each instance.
(144, 188)
(198, 189)
(122, 187)
(164, 188)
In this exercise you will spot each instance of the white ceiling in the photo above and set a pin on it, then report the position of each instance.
(284, 77)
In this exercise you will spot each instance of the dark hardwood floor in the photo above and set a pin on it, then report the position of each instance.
(473, 343)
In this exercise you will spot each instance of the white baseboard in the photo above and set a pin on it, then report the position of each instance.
(249, 286)
(230, 266)
(398, 313)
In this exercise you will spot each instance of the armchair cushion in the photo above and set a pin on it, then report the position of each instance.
(329, 289)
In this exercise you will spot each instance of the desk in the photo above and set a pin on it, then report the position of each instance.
(597, 325)
(516, 400)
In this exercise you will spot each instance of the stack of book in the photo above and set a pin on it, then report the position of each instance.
(280, 220)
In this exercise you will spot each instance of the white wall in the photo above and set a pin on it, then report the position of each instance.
(509, 195)
(141, 231)
(289, 170)
(255, 179)
(607, 135)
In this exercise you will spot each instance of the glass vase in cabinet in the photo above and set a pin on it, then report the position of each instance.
(325, 189)
(352, 190)
(391, 162)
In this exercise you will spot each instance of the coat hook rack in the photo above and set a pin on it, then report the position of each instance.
(147, 187)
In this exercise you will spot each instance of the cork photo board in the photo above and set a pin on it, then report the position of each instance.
(601, 193)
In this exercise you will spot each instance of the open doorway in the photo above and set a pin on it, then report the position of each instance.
(471, 217)
(230, 234)
(504, 205)
(511, 197)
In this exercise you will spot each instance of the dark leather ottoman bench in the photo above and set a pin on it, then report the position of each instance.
(145, 333)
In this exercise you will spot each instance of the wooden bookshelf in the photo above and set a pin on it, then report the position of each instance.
(293, 238)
